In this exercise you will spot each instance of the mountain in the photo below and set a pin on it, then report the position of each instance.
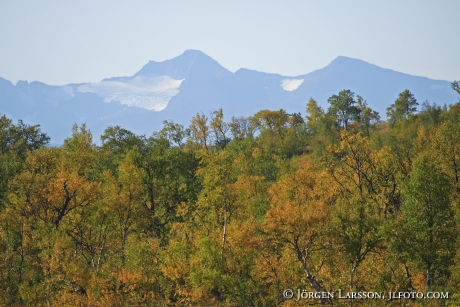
(193, 82)
(379, 86)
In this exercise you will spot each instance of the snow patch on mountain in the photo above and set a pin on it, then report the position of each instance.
(291, 84)
(148, 92)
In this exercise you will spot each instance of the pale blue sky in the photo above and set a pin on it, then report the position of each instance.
(65, 41)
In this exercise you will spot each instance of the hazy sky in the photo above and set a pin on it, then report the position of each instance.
(65, 41)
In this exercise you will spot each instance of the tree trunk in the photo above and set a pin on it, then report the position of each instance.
(315, 284)
(224, 237)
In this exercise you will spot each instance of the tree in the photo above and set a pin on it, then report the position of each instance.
(446, 148)
(45, 198)
(174, 133)
(403, 108)
(367, 118)
(343, 108)
(241, 128)
(280, 133)
(321, 128)
(360, 201)
(427, 226)
(297, 221)
(20, 138)
(219, 128)
(126, 200)
(169, 180)
(49, 189)
(80, 152)
(274, 121)
(217, 195)
(16, 141)
(456, 86)
(119, 140)
(199, 130)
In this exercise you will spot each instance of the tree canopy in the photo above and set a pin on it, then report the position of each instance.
(234, 212)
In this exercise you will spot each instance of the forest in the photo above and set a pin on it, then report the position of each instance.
(234, 212)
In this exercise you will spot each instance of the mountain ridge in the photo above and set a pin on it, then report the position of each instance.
(178, 88)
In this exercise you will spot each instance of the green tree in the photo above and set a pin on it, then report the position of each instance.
(403, 108)
(174, 133)
(119, 140)
(445, 146)
(343, 108)
(20, 138)
(367, 118)
(320, 128)
(16, 141)
(241, 128)
(427, 227)
(456, 86)
(281, 134)
(219, 128)
(169, 180)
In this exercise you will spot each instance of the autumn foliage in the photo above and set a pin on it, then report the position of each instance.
(232, 213)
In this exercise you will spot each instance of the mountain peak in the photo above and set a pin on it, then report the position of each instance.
(182, 66)
(344, 60)
(193, 53)
(344, 64)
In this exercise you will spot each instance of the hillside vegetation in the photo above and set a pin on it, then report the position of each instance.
(233, 212)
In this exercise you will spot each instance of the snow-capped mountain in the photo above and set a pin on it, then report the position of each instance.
(193, 82)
